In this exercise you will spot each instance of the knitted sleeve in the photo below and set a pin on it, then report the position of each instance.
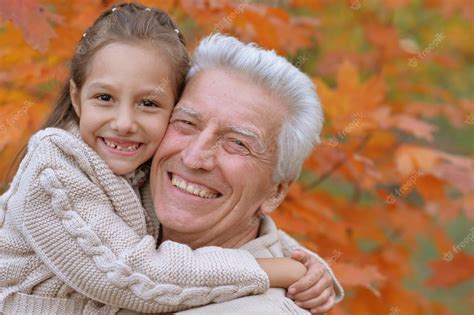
(289, 244)
(71, 221)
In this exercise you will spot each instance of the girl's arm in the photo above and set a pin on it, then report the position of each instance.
(70, 218)
(282, 272)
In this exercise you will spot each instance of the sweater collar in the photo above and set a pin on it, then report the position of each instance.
(139, 176)
(267, 238)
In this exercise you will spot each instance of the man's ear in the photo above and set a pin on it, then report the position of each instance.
(275, 199)
(75, 97)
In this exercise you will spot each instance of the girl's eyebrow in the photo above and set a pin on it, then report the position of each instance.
(99, 84)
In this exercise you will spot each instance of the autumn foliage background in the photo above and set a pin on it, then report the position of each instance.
(388, 197)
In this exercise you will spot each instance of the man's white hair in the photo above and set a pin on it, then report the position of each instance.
(299, 133)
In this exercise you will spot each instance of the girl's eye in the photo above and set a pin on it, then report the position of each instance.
(104, 97)
(149, 104)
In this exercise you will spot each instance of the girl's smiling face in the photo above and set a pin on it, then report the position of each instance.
(125, 103)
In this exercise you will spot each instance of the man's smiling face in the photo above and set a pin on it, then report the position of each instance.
(213, 171)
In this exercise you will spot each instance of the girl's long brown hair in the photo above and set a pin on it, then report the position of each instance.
(125, 22)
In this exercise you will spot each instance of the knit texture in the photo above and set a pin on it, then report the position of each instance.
(20, 303)
(67, 217)
(268, 244)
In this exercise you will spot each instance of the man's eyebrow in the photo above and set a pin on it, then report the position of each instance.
(243, 131)
(248, 133)
(187, 110)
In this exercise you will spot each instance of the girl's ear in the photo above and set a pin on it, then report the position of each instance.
(275, 199)
(75, 97)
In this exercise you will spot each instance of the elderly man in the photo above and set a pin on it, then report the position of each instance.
(237, 139)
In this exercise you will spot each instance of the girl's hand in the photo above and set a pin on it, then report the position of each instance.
(315, 291)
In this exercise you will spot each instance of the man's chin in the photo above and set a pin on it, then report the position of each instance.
(181, 221)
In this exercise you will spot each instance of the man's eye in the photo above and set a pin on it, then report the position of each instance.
(104, 97)
(149, 104)
(184, 126)
(238, 143)
(178, 121)
(236, 146)
(184, 122)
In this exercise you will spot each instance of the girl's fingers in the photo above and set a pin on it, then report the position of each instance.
(314, 291)
(325, 308)
(309, 280)
(301, 256)
(317, 302)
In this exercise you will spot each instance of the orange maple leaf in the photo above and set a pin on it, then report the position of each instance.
(351, 95)
(456, 170)
(353, 276)
(453, 269)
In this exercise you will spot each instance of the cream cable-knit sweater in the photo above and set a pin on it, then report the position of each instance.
(269, 243)
(68, 225)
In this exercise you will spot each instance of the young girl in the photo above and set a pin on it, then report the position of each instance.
(73, 229)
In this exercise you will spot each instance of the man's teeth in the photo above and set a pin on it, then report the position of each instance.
(187, 187)
(131, 148)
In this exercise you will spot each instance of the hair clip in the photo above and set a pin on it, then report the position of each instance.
(114, 9)
(176, 30)
(84, 35)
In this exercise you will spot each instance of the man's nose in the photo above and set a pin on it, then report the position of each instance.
(124, 120)
(200, 153)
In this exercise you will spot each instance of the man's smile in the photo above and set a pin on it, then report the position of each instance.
(193, 188)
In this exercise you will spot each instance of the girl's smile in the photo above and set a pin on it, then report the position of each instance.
(120, 147)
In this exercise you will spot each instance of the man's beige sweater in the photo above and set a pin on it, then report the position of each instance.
(71, 229)
(270, 243)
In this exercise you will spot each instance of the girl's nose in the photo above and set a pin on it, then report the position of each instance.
(124, 121)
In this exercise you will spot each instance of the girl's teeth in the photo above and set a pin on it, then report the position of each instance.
(189, 188)
(116, 146)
